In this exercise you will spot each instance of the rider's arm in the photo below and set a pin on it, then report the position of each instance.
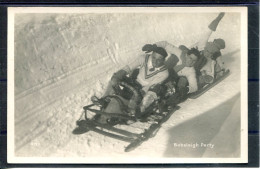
(171, 61)
(178, 67)
(134, 64)
(213, 63)
(190, 74)
(170, 48)
(203, 40)
(181, 64)
(220, 62)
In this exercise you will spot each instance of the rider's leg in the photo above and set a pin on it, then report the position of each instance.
(116, 78)
(109, 91)
(214, 24)
(206, 34)
(148, 99)
(181, 92)
(153, 93)
(219, 69)
(182, 88)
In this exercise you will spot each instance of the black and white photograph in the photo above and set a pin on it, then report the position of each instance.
(127, 85)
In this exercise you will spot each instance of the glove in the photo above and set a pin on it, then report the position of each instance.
(118, 76)
(208, 78)
(148, 48)
(183, 48)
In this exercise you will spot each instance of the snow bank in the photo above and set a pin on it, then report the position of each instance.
(49, 46)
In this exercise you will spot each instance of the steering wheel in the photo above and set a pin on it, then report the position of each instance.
(123, 87)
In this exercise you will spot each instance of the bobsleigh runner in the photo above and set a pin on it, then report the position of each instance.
(113, 119)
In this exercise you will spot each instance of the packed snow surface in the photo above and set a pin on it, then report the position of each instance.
(61, 60)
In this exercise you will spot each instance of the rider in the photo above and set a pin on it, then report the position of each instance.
(209, 61)
(211, 51)
(182, 61)
(180, 64)
(214, 63)
(152, 72)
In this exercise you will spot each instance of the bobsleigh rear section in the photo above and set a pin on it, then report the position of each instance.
(209, 86)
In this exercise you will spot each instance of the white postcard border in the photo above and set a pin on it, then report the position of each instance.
(244, 85)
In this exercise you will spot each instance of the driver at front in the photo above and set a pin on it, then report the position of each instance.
(152, 73)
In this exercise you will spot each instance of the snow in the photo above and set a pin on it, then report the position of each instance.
(61, 60)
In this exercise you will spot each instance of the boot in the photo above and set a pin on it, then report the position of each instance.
(214, 24)
(81, 128)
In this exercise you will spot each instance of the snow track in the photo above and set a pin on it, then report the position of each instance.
(49, 96)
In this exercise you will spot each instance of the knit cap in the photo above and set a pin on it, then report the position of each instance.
(220, 43)
(159, 50)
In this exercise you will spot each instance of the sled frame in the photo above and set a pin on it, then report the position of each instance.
(134, 139)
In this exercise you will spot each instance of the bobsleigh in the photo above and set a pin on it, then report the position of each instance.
(114, 118)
